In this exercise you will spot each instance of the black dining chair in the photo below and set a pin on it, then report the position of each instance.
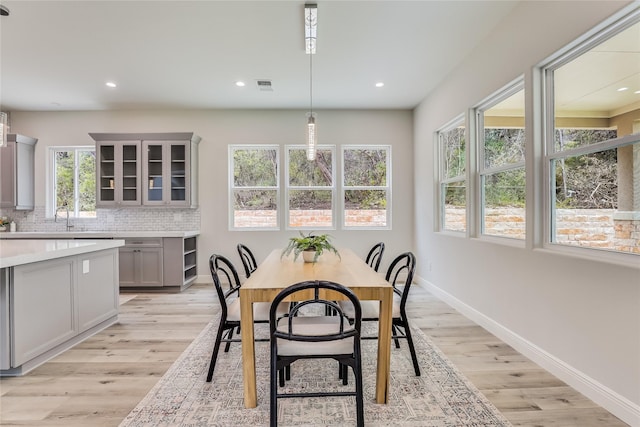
(375, 256)
(400, 275)
(295, 337)
(248, 260)
(223, 272)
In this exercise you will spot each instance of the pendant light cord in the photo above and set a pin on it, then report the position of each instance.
(311, 84)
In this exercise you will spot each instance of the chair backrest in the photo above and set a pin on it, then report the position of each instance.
(316, 286)
(223, 271)
(404, 263)
(375, 256)
(248, 260)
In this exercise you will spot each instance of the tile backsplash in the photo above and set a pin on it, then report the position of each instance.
(123, 219)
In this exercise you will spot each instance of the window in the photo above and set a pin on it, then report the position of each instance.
(74, 181)
(366, 186)
(254, 187)
(310, 188)
(593, 141)
(453, 181)
(501, 142)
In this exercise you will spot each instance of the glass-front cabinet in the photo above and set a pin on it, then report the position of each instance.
(118, 173)
(146, 169)
(166, 181)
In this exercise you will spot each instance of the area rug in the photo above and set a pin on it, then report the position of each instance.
(440, 397)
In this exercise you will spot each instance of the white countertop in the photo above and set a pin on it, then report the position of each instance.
(19, 252)
(94, 234)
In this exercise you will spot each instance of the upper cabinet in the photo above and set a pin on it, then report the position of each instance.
(17, 168)
(146, 169)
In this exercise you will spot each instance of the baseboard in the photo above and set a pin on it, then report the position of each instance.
(613, 402)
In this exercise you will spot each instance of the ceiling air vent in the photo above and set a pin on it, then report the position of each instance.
(264, 85)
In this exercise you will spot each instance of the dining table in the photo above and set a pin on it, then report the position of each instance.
(278, 272)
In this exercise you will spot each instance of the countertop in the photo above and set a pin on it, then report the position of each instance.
(20, 252)
(94, 234)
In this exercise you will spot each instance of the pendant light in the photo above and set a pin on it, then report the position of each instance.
(310, 28)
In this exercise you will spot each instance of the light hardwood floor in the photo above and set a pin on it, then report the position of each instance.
(98, 382)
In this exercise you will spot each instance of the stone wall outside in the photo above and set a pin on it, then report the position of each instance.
(594, 228)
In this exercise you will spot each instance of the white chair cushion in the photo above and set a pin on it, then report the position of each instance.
(370, 309)
(314, 326)
(260, 310)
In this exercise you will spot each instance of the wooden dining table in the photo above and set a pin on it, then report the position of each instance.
(276, 273)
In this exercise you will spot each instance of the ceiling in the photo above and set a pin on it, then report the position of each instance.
(58, 55)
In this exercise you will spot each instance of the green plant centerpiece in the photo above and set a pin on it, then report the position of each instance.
(311, 246)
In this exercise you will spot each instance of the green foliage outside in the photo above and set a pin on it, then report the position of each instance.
(65, 181)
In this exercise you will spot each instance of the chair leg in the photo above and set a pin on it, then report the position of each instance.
(357, 372)
(216, 348)
(273, 399)
(229, 336)
(394, 330)
(414, 357)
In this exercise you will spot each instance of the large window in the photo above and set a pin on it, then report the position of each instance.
(310, 188)
(453, 179)
(254, 187)
(74, 181)
(366, 186)
(593, 141)
(501, 142)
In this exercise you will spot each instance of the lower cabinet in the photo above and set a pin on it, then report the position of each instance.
(141, 263)
(168, 263)
(47, 307)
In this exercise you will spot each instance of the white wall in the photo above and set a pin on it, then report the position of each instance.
(218, 129)
(578, 317)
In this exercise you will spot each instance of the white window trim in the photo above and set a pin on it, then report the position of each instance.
(495, 98)
(232, 188)
(441, 181)
(51, 182)
(387, 187)
(333, 187)
(610, 27)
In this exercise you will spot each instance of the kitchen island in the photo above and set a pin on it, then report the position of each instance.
(53, 294)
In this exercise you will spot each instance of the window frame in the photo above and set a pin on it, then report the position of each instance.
(52, 178)
(232, 188)
(440, 214)
(288, 187)
(386, 187)
(545, 74)
(482, 170)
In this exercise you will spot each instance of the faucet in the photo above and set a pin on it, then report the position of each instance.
(66, 207)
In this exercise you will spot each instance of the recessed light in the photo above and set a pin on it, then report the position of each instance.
(240, 84)
(379, 84)
(637, 92)
(110, 84)
(622, 89)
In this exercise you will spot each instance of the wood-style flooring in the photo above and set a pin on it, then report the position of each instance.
(98, 382)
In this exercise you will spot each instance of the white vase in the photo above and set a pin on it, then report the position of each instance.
(308, 256)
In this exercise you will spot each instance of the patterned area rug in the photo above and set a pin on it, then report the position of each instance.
(440, 397)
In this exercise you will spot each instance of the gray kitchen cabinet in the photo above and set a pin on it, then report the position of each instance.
(118, 173)
(17, 170)
(164, 172)
(168, 263)
(141, 263)
(180, 257)
(48, 306)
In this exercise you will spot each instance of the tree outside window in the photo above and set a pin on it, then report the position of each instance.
(366, 186)
(254, 187)
(75, 181)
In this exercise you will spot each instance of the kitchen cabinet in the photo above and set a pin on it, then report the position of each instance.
(55, 301)
(118, 174)
(141, 263)
(17, 173)
(160, 170)
(168, 263)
